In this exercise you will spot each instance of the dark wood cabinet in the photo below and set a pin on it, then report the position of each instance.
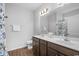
(45, 48)
(42, 48)
(35, 46)
(51, 52)
(62, 50)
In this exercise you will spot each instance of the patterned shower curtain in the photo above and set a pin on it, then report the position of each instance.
(2, 31)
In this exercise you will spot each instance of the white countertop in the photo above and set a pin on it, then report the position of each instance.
(73, 43)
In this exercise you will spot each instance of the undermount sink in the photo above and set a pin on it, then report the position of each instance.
(66, 39)
(60, 38)
(74, 42)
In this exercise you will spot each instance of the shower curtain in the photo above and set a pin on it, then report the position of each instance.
(2, 31)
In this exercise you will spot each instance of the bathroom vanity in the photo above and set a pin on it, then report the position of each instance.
(44, 46)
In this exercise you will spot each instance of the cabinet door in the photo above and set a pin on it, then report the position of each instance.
(42, 48)
(62, 50)
(35, 47)
(52, 52)
(35, 51)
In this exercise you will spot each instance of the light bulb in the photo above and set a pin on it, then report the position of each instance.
(44, 12)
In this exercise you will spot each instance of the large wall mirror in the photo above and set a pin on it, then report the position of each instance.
(63, 20)
(72, 18)
(70, 14)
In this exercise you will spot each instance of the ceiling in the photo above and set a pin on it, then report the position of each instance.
(68, 7)
(30, 6)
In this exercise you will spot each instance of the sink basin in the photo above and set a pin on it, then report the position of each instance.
(74, 42)
(66, 40)
(60, 38)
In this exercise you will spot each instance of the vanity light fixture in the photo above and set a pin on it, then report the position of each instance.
(44, 12)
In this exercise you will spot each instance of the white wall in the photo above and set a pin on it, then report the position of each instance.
(52, 23)
(36, 22)
(44, 24)
(18, 16)
(38, 19)
(39, 22)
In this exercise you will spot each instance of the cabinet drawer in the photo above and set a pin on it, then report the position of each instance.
(63, 50)
(42, 42)
(36, 50)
